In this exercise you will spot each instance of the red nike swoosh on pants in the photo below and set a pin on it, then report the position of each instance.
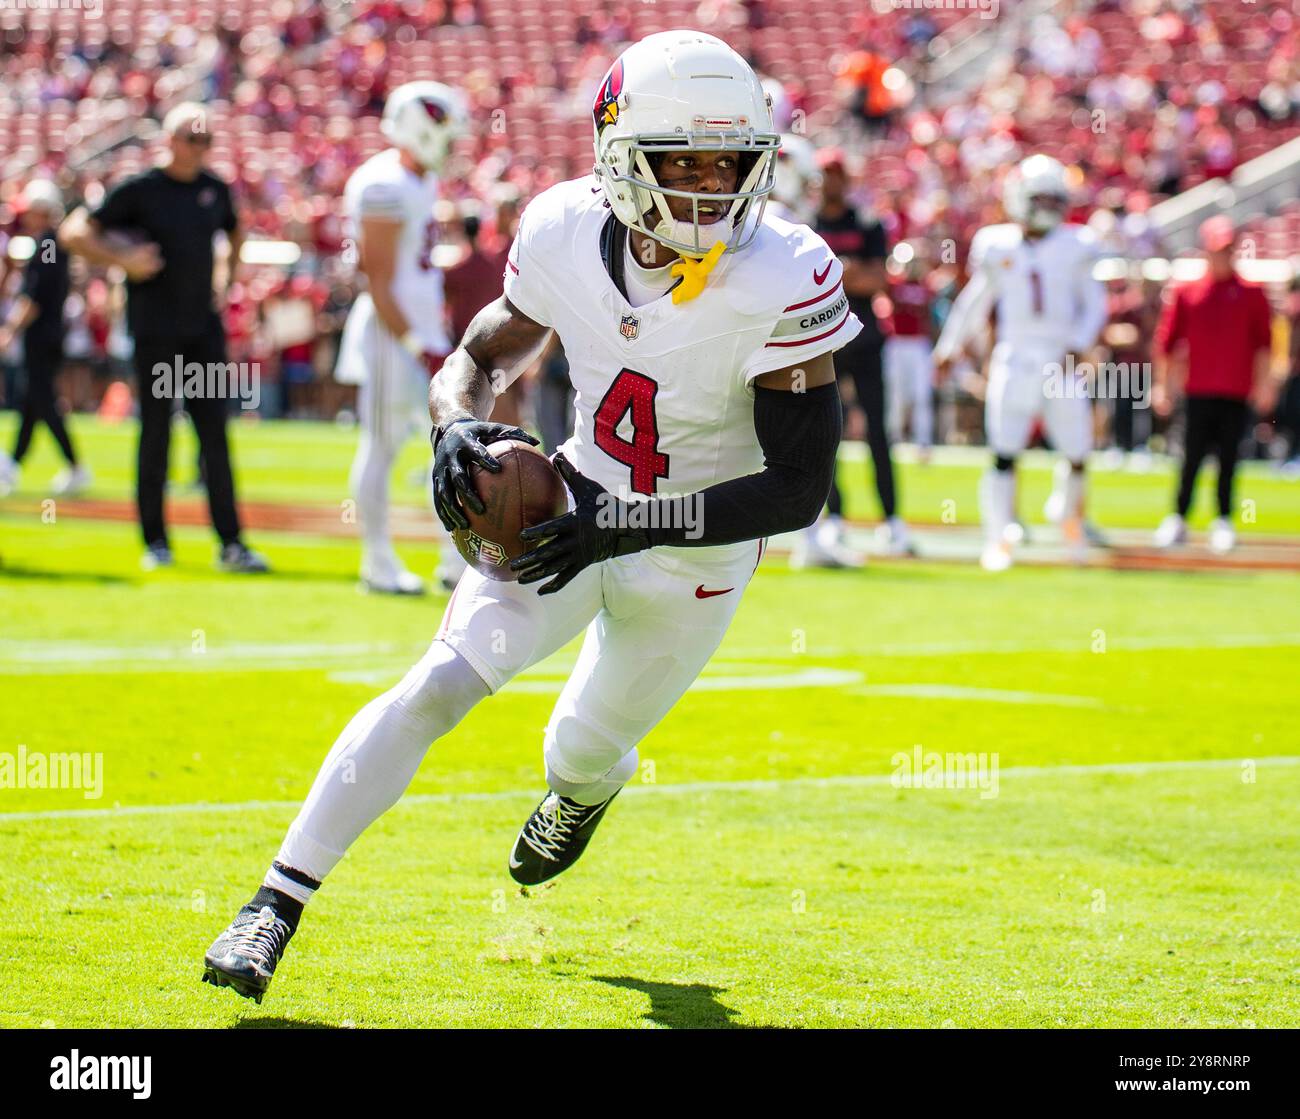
(700, 592)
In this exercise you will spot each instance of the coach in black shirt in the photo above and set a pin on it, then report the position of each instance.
(165, 220)
(37, 318)
(862, 250)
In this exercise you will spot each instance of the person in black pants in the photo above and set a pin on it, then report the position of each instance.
(179, 206)
(860, 244)
(37, 316)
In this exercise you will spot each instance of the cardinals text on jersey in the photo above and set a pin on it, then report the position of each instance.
(664, 395)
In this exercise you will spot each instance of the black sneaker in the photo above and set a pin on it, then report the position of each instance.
(239, 560)
(243, 957)
(555, 835)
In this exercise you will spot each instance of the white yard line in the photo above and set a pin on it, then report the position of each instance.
(68, 657)
(978, 695)
(549, 683)
(688, 788)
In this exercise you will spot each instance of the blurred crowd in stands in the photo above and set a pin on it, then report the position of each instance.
(1142, 99)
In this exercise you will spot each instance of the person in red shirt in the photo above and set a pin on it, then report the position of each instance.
(1224, 327)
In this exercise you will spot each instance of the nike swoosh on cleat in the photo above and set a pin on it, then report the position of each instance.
(515, 864)
(821, 279)
(700, 592)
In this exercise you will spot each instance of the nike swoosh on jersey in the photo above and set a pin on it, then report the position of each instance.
(700, 592)
(821, 279)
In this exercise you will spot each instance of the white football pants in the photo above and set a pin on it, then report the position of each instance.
(909, 377)
(392, 403)
(1020, 392)
(652, 622)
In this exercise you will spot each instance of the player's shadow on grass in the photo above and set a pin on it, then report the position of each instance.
(679, 1006)
(9, 571)
(281, 1024)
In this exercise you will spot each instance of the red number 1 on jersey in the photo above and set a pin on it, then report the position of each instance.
(632, 392)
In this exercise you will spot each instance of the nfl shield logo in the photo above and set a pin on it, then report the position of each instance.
(629, 327)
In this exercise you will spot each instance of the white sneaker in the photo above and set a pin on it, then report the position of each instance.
(71, 480)
(822, 545)
(996, 557)
(1222, 537)
(1172, 532)
(395, 582)
(894, 539)
(10, 472)
(385, 574)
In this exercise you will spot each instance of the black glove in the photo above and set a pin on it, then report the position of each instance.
(455, 446)
(592, 531)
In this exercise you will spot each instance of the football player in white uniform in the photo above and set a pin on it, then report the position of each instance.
(699, 334)
(1050, 309)
(395, 337)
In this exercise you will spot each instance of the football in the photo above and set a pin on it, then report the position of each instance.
(527, 491)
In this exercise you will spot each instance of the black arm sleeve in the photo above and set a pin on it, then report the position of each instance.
(800, 434)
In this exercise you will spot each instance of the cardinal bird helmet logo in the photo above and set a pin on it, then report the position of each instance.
(604, 109)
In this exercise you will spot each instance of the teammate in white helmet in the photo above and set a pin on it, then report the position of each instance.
(1038, 271)
(395, 337)
(699, 333)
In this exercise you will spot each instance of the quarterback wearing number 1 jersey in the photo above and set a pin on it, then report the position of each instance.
(1038, 272)
(699, 335)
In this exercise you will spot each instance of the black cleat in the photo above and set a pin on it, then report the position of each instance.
(555, 835)
(243, 957)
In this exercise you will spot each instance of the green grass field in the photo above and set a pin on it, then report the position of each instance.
(1137, 866)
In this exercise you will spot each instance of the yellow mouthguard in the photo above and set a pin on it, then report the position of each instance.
(693, 273)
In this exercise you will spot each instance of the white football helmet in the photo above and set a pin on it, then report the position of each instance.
(797, 174)
(424, 118)
(683, 91)
(1040, 177)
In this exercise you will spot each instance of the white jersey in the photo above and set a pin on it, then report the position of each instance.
(664, 399)
(1048, 301)
(382, 188)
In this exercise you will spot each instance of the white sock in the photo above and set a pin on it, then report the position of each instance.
(374, 759)
(595, 792)
(369, 483)
(997, 496)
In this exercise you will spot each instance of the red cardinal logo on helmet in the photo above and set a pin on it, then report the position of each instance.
(604, 109)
